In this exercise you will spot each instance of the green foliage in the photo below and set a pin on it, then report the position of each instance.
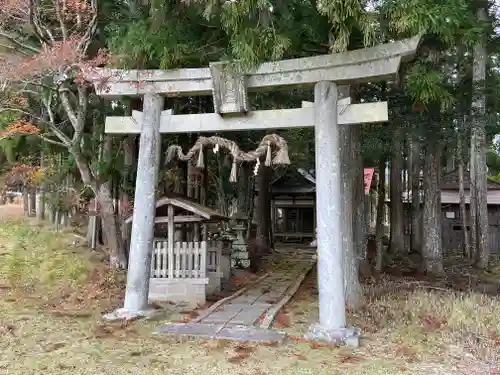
(346, 17)
(448, 20)
(36, 258)
(426, 85)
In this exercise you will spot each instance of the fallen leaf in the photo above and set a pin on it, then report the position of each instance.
(238, 358)
(297, 338)
(261, 318)
(318, 345)
(350, 358)
(282, 320)
(240, 349)
(273, 344)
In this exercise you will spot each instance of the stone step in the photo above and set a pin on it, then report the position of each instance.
(221, 332)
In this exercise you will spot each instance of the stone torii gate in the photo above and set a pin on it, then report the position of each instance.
(230, 94)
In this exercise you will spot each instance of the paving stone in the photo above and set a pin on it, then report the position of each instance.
(248, 317)
(247, 300)
(268, 297)
(234, 319)
(233, 307)
(206, 331)
(219, 317)
(250, 334)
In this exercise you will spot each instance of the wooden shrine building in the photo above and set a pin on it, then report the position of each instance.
(452, 219)
(293, 205)
(293, 198)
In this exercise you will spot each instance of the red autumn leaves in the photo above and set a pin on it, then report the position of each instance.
(20, 128)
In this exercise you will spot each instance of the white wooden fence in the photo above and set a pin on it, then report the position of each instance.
(187, 260)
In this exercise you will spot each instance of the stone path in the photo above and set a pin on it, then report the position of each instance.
(237, 317)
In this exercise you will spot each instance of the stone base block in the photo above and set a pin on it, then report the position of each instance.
(225, 267)
(192, 291)
(240, 259)
(340, 336)
(126, 314)
(214, 283)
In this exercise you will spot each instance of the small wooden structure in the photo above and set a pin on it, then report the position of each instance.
(185, 266)
(293, 205)
(452, 234)
(293, 198)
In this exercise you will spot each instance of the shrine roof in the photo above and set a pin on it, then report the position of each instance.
(450, 182)
(189, 205)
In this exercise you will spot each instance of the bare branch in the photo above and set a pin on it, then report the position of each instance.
(68, 109)
(64, 30)
(82, 114)
(52, 123)
(33, 20)
(15, 110)
(13, 49)
(48, 140)
(18, 43)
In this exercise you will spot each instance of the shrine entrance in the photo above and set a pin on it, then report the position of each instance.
(229, 90)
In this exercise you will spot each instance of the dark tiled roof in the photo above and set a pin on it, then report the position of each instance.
(450, 182)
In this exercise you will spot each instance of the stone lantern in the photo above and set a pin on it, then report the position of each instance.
(239, 254)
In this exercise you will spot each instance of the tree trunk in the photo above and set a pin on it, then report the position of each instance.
(432, 249)
(243, 194)
(32, 202)
(111, 227)
(125, 199)
(359, 219)
(221, 194)
(473, 196)
(478, 115)
(26, 207)
(348, 168)
(379, 226)
(416, 211)
(251, 203)
(40, 204)
(461, 193)
(104, 197)
(263, 239)
(204, 181)
(397, 240)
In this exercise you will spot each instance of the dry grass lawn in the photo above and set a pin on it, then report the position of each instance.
(52, 294)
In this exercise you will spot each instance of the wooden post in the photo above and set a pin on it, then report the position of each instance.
(170, 241)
